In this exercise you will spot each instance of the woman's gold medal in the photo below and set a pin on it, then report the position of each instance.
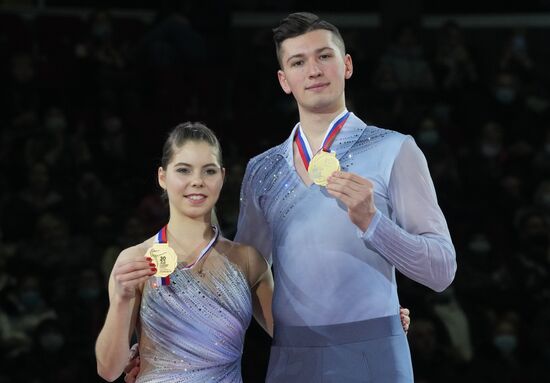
(164, 257)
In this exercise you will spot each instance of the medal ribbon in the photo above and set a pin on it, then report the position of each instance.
(303, 146)
(162, 237)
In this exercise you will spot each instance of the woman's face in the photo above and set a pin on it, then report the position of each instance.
(192, 179)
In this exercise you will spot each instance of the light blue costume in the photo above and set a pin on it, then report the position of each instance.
(335, 305)
(193, 330)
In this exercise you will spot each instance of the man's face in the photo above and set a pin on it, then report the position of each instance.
(314, 70)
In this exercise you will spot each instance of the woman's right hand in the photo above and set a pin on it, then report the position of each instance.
(130, 271)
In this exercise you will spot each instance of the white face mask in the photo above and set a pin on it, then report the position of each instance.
(505, 95)
(506, 343)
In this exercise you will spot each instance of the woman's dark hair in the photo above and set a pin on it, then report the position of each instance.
(189, 131)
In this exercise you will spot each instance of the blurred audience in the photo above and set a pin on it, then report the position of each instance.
(75, 190)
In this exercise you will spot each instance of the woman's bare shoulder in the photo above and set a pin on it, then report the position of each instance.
(247, 257)
(236, 249)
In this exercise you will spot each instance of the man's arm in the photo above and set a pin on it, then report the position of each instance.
(252, 227)
(261, 289)
(418, 243)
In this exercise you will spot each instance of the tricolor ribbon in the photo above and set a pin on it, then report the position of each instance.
(162, 237)
(303, 144)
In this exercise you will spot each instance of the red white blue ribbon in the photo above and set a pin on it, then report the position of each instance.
(162, 237)
(330, 136)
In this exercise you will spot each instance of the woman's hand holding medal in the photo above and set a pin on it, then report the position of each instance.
(356, 193)
(130, 271)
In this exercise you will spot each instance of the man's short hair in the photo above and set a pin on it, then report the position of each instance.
(299, 23)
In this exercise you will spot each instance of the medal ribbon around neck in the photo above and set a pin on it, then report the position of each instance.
(303, 147)
(162, 237)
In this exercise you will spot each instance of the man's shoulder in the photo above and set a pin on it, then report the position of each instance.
(377, 135)
(273, 154)
(262, 166)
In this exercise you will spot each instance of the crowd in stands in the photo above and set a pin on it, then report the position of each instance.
(86, 104)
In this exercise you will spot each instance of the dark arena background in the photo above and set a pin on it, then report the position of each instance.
(88, 91)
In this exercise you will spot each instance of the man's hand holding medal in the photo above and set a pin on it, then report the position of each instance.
(356, 193)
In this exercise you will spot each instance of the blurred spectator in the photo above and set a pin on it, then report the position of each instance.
(49, 144)
(506, 104)
(100, 47)
(71, 196)
(454, 67)
(452, 315)
(31, 305)
(153, 212)
(21, 94)
(386, 101)
(91, 298)
(515, 56)
(531, 260)
(34, 198)
(443, 168)
(482, 164)
(405, 55)
(91, 197)
(432, 356)
(501, 361)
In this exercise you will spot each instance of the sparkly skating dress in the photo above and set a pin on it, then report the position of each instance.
(193, 330)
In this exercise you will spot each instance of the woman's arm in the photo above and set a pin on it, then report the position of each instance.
(112, 349)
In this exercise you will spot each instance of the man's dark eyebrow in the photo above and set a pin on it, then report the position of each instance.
(300, 55)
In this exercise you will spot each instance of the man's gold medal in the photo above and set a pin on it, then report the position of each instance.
(321, 166)
(164, 257)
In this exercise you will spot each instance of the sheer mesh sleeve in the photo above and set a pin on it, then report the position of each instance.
(418, 243)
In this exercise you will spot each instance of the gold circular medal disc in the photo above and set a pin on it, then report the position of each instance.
(321, 166)
(164, 257)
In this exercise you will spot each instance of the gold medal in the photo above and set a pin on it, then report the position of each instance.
(164, 257)
(321, 166)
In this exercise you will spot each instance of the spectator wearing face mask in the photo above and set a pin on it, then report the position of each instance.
(481, 164)
(506, 104)
(477, 279)
(501, 360)
(515, 56)
(431, 138)
(454, 66)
